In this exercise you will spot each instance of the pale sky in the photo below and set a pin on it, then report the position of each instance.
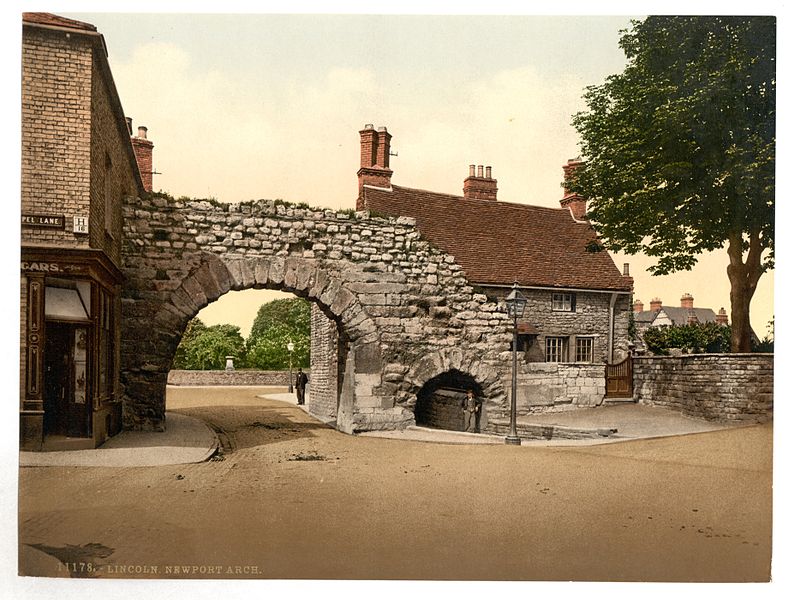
(242, 107)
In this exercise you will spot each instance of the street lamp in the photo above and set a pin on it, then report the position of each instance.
(516, 304)
(290, 348)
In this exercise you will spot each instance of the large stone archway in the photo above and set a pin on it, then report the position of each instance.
(400, 303)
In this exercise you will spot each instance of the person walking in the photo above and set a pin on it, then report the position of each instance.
(300, 385)
(471, 407)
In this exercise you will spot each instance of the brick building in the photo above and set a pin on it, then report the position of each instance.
(78, 163)
(578, 301)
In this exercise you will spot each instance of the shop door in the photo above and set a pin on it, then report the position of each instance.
(66, 399)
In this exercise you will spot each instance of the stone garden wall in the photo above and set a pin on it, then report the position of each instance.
(223, 377)
(735, 387)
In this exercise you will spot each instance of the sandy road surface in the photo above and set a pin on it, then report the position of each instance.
(294, 499)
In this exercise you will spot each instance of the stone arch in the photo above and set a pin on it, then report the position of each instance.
(209, 276)
(435, 365)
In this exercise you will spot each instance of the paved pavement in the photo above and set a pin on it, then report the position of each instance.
(189, 440)
(185, 440)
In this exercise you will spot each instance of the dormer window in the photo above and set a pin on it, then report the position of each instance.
(563, 302)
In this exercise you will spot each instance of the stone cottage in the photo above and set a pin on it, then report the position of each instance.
(79, 161)
(578, 308)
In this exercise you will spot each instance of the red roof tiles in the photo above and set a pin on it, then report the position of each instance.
(499, 242)
(56, 21)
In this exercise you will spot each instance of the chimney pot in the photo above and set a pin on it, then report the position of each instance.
(368, 126)
(142, 132)
(655, 304)
(686, 301)
(129, 125)
(637, 306)
(478, 187)
(626, 269)
(722, 318)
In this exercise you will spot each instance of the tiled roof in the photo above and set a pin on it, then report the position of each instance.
(677, 314)
(680, 315)
(56, 21)
(502, 242)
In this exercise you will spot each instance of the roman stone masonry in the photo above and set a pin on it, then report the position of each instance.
(403, 310)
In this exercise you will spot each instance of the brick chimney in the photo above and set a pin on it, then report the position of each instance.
(480, 186)
(655, 304)
(143, 154)
(637, 306)
(722, 318)
(374, 167)
(573, 201)
(686, 300)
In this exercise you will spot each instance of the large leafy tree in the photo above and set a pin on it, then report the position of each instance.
(679, 149)
(203, 347)
(277, 323)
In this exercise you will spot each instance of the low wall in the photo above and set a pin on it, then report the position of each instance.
(243, 377)
(545, 387)
(737, 387)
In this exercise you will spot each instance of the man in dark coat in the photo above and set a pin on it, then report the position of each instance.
(471, 408)
(300, 385)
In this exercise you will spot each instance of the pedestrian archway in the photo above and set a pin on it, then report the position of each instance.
(440, 400)
(393, 300)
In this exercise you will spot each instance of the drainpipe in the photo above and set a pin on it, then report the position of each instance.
(610, 327)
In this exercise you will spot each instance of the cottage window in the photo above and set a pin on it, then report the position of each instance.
(556, 349)
(584, 350)
(563, 302)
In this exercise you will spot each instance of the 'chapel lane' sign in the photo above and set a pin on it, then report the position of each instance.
(55, 221)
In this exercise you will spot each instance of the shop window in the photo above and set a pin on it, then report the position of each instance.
(584, 349)
(563, 302)
(556, 349)
(68, 300)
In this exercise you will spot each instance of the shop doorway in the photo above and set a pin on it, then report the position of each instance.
(67, 410)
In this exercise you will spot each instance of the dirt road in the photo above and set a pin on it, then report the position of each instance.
(295, 499)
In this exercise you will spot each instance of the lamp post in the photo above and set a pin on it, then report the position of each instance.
(516, 304)
(290, 348)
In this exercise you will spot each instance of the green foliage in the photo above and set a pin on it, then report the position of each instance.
(767, 343)
(277, 323)
(203, 348)
(708, 338)
(680, 148)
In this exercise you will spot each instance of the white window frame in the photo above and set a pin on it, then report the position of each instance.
(587, 341)
(562, 302)
(555, 346)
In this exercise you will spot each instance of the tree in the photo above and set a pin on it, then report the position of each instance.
(203, 348)
(277, 323)
(679, 149)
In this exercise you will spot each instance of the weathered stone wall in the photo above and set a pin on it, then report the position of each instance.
(396, 300)
(590, 318)
(736, 387)
(324, 360)
(545, 387)
(223, 377)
